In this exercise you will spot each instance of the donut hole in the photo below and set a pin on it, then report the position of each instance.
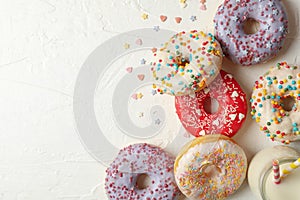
(143, 181)
(287, 103)
(211, 170)
(211, 105)
(251, 26)
(181, 61)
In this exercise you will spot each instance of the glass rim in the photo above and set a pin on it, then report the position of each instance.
(268, 171)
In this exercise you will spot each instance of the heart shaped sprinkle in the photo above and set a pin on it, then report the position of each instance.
(129, 69)
(178, 20)
(163, 18)
(203, 7)
(154, 50)
(141, 77)
(139, 42)
(134, 96)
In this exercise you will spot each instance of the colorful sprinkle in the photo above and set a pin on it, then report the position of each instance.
(178, 20)
(273, 96)
(144, 16)
(163, 18)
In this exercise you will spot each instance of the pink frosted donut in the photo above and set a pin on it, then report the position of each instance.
(136, 160)
(230, 115)
(250, 49)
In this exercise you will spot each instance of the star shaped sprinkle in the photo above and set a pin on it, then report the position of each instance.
(154, 92)
(156, 28)
(235, 18)
(157, 121)
(256, 59)
(275, 12)
(228, 32)
(141, 114)
(271, 4)
(144, 16)
(139, 95)
(193, 18)
(126, 46)
(143, 61)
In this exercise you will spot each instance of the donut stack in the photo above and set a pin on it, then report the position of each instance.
(188, 66)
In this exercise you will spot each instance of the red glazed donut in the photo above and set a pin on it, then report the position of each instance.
(230, 115)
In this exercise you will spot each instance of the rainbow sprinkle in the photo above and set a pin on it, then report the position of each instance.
(268, 98)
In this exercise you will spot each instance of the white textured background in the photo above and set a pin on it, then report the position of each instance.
(43, 44)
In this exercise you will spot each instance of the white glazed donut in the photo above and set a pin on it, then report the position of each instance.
(187, 63)
(135, 160)
(210, 167)
(267, 103)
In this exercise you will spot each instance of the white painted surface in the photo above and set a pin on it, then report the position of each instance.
(43, 44)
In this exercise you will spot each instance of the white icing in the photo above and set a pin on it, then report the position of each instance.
(207, 65)
(203, 152)
(265, 110)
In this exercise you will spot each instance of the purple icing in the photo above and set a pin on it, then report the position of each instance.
(249, 49)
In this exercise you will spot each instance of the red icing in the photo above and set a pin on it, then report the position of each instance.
(231, 113)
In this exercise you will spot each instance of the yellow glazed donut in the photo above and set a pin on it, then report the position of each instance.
(187, 63)
(210, 167)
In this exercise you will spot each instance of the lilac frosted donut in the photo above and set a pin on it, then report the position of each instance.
(136, 160)
(250, 49)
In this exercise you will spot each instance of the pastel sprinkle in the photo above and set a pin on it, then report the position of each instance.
(139, 42)
(141, 77)
(129, 69)
(282, 83)
(163, 18)
(144, 16)
(126, 46)
(143, 61)
(156, 28)
(178, 20)
(193, 18)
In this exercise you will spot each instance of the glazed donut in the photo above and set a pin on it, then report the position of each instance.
(187, 63)
(230, 115)
(210, 167)
(271, 94)
(135, 160)
(250, 49)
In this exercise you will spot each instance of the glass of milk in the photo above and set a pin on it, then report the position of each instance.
(260, 174)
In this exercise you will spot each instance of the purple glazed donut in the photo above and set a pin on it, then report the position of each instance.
(136, 160)
(249, 49)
